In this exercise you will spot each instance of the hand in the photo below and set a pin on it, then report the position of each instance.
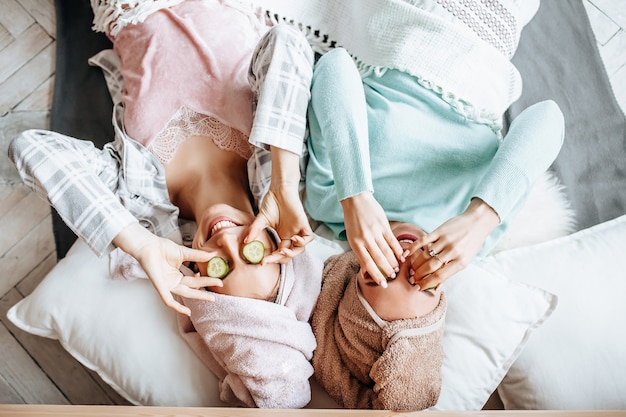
(437, 256)
(161, 259)
(371, 238)
(282, 210)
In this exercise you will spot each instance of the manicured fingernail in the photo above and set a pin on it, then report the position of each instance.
(411, 272)
(396, 269)
(412, 280)
(383, 283)
(405, 253)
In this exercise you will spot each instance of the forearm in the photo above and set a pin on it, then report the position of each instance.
(339, 123)
(285, 170)
(280, 78)
(530, 147)
(63, 170)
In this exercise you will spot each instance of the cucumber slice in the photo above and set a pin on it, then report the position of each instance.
(253, 252)
(217, 267)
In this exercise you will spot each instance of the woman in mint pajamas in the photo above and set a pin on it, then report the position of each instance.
(383, 147)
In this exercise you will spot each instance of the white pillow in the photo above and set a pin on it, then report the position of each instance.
(577, 360)
(488, 323)
(121, 330)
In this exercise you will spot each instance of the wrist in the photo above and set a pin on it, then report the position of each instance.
(356, 199)
(133, 238)
(285, 169)
(481, 212)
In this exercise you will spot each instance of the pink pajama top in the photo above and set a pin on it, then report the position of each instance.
(183, 77)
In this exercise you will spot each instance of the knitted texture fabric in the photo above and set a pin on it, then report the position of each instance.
(260, 351)
(363, 365)
(443, 43)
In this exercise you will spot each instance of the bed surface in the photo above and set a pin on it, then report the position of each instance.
(567, 69)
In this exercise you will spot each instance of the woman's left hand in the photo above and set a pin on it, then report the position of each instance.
(437, 256)
(371, 238)
(282, 210)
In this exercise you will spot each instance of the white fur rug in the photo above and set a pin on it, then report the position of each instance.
(546, 215)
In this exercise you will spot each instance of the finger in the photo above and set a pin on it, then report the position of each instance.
(291, 247)
(293, 251)
(175, 305)
(384, 255)
(372, 268)
(196, 255)
(439, 276)
(284, 244)
(259, 224)
(435, 250)
(201, 281)
(417, 260)
(301, 239)
(430, 266)
(420, 243)
(386, 266)
(277, 257)
(184, 291)
(282, 256)
(378, 277)
(395, 247)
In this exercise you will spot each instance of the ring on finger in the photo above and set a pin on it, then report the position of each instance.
(443, 263)
(431, 251)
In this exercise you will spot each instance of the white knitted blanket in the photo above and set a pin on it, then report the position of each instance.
(460, 49)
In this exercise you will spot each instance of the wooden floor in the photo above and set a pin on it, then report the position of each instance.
(34, 370)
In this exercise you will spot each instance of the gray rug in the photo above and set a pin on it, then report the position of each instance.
(559, 60)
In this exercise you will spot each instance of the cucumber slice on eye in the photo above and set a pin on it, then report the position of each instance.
(253, 252)
(217, 267)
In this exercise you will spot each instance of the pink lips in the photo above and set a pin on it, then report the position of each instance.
(217, 220)
(406, 236)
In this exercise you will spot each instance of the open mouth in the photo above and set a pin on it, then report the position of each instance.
(406, 238)
(221, 223)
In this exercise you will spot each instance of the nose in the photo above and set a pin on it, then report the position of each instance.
(228, 241)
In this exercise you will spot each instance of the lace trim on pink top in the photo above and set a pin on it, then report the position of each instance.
(186, 123)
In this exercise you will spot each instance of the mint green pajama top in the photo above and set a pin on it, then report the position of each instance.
(424, 162)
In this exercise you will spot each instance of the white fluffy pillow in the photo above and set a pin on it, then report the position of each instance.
(577, 360)
(121, 330)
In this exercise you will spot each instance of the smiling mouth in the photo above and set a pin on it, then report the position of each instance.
(406, 238)
(221, 223)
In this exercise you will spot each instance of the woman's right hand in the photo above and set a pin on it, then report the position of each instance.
(449, 248)
(371, 238)
(161, 259)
